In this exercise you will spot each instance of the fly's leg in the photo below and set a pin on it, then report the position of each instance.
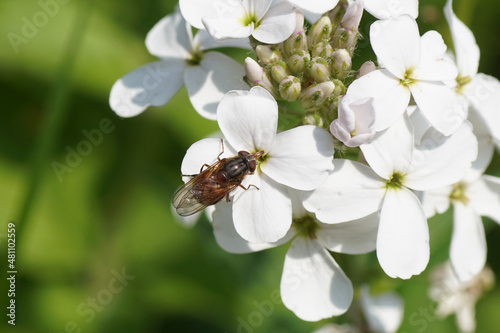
(243, 187)
(222, 152)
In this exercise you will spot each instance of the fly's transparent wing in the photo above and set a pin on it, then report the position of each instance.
(184, 201)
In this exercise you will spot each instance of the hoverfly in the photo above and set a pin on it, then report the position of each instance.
(215, 182)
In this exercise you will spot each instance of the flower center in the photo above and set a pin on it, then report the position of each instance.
(458, 193)
(306, 226)
(462, 81)
(407, 78)
(248, 19)
(396, 181)
(195, 57)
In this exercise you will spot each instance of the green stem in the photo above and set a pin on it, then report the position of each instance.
(56, 110)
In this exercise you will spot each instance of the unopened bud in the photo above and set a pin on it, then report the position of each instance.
(352, 16)
(267, 54)
(346, 34)
(341, 64)
(319, 70)
(337, 13)
(315, 95)
(313, 119)
(297, 40)
(279, 71)
(366, 68)
(290, 88)
(323, 49)
(256, 76)
(298, 62)
(320, 31)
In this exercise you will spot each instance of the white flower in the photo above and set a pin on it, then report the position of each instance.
(481, 91)
(234, 19)
(383, 9)
(413, 66)
(317, 7)
(455, 296)
(313, 285)
(354, 126)
(475, 195)
(398, 166)
(299, 158)
(207, 76)
(384, 312)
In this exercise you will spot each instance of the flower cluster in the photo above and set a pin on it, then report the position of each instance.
(420, 128)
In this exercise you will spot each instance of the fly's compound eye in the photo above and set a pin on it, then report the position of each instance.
(252, 165)
(243, 153)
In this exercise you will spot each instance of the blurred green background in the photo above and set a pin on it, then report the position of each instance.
(109, 213)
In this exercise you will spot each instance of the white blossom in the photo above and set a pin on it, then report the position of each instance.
(412, 66)
(396, 167)
(206, 75)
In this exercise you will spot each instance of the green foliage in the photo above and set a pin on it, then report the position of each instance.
(111, 210)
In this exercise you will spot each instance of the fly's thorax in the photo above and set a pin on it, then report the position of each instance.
(233, 169)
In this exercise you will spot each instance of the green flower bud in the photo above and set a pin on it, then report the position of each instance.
(279, 71)
(256, 76)
(314, 96)
(298, 40)
(337, 13)
(323, 49)
(297, 63)
(341, 64)
(366, 68)
(290, 88)
(319, 70)
(312, 119)
(320, 31)
(267, 54)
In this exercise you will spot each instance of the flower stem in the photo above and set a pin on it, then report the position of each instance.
(56, 110)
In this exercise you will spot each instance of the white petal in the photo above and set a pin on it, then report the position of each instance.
(391, 151)
(468, 243)
(227, 28)
(350, 192)
(312, 285)
(204, 42)
(248, 119)
(465, 318)
(354, 237)
(300, 158)
(227, 237)
(262, 215)
(439, 161)
(152, 84)
(257, 8)
(207, 83)
(383, 9)
(464, 43)
(484, 196)
(434, 65)
(277, 25)
(436, 201)
(170, 38)
(484, 94)
(384, 312)
(485, 147)
(440, 105)
(203, 152)
(318, 7)
(390, 98)
(396, 42)
(194, 10)
(403, 235)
